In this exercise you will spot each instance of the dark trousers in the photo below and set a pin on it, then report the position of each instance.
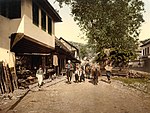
(69, 75)
(108, 74)
(82, 78)
(95, 79)
(76, 77)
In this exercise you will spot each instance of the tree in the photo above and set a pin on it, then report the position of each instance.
(84, 50)
(111, 24)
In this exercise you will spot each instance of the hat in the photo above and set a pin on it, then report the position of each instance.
(69, 61)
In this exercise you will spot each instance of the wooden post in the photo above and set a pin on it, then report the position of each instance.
(9, 78)
(14, 74)
(6, 79)
(13, 78)
(1, 74)
(3, 83)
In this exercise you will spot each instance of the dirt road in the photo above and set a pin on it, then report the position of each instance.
(84, 98)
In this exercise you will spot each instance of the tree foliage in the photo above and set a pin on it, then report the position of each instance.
(111, 24)
(84, 50)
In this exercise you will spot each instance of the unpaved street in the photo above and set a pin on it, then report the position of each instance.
(84, 98)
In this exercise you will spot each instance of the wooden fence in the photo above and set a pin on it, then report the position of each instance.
(8, 79)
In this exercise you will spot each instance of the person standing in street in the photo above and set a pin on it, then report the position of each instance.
(95, 74)
(87, 70)
(82, 73)
(77, 75)
(39, 75)
(69, 68)
(108, 69)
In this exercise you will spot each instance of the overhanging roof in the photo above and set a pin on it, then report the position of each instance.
(68, 43)
(145, 43)
(62, 49)
(21, 43)
(61, 45)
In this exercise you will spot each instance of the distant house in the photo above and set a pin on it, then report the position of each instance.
(27, 32)
(74, 56)
(145, 57)
(62, 52)
(145, 47)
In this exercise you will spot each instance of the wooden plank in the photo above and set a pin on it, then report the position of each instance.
(1, 87)
(1, 74)
(3, 82)
(9, 78)
(14, 78)
(6, 79)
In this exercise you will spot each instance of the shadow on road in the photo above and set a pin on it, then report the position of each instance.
(92, 82)
(105, 81)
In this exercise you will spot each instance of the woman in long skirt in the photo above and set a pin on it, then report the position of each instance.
(39, 75)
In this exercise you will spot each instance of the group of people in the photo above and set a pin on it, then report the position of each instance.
(82, 72)
(88, 71)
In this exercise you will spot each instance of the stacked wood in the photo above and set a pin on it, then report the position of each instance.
(138, 74)
(8, 80)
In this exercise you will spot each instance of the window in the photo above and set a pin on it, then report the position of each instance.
(35, 14)
(143, 52)
(10, 8)
(43, 20)
(49, 25)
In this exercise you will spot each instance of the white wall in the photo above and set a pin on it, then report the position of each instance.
(7, 56)
(21, 25)
(7, 27)
(32, 30)
(148, 45)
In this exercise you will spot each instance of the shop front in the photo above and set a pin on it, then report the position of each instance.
(30, 54)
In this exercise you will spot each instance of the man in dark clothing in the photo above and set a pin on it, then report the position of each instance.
(82, 77)
(95, 75)
(87, 70)
(69, 68)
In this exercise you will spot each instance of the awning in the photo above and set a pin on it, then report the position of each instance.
(21, 43)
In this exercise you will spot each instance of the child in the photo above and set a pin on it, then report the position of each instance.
(82, 73)
(77, 75)
(108, 69)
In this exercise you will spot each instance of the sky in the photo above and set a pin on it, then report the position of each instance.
(70, 31)
(145, 29)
